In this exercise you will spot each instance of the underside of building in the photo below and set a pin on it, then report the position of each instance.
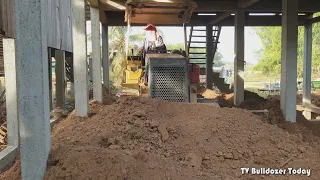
(34, 33)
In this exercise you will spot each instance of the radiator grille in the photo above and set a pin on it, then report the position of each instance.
(169, 83)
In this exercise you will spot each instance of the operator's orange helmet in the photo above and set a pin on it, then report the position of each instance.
(151, 32)
(150, 27)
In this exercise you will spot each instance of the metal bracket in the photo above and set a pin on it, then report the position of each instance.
(244, 62)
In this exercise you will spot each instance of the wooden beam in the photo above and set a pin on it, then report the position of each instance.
(157, 19)
(246, 3)
(241, 4)
(93, 3)
(311, 108)
(220, 18)
(275, 6)
(314, 20)
(116, 19)
(102, 16)
(227, 5)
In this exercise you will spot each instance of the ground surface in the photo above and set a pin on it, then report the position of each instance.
(138, 138)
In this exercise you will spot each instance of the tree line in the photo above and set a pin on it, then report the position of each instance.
(270, 55)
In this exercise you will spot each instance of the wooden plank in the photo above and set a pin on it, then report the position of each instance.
(160, 11)
(59, 24)
(7, 17)
(157, 19)
(65, 25)
(311, 108)
(193, 93)
(2, 132)
(157, 11)
(93, 3)
(1, 15)
(4, 128)
(1, 55)
(246, 3)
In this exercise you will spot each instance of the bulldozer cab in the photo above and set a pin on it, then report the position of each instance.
(171, 12)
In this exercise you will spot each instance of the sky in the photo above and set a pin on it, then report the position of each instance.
(174, 35)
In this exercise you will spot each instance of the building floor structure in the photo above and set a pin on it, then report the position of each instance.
(57, 29)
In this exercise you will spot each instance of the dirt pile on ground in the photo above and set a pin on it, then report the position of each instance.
(141, 138)
(307, 130)
(226, 100)
(208, 93)
(250, 100)
(107, 97)
(315, 99)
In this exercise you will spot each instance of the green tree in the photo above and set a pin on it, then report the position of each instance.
(218, 60)
(270, 55)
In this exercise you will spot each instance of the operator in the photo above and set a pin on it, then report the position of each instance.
(152, 41)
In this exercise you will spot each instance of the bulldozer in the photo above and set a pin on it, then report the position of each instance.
(166, 76)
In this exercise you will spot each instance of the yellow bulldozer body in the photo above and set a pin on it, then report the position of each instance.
(131, 77)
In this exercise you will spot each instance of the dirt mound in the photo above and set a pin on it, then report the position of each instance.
(307, 130)
(251, 99)
(208, 93)
(141, 138)
(223, 102)
(107, 97)
(315, 99)
(249, 104)
(252, 95)
(226, 100)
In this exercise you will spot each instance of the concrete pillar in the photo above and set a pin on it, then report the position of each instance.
(80, 58)
(185, 39)
(33, 86)
(307, 64)
(96, 54)
(289, 59)
(239, 58)
(209, 53)
(60, 78)
(105, 56)
(8, 155)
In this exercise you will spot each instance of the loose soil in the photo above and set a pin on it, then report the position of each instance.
(138, 138)
(226, 100)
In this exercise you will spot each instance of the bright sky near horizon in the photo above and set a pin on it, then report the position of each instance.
(174, 35)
